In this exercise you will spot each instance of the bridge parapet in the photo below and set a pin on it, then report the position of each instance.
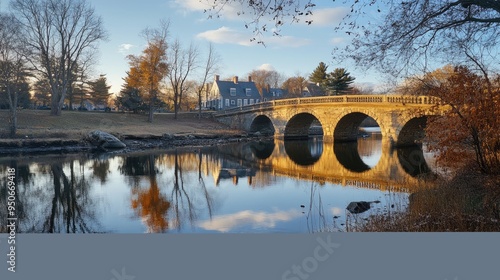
(355, 99)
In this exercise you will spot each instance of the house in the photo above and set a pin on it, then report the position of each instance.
(230, 94)
(312, 89)
(269, 93)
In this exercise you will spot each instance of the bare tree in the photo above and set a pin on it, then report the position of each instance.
(276, 12)
(413, 35)
(60, 35)
(262, 78)
(209, 69)
(181, 63)
(13, 72)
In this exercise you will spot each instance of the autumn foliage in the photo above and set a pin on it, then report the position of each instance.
(471, 126)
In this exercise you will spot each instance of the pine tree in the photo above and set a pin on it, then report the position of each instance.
(130, 99)
(99, 90)
(338, 81)
(319, 74)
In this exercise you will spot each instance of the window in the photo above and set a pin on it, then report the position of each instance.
(257, 100)
(233, 102)
(239, 102)
(251, 101)
(232, 91)
(245, 102)
(248, 91)
(227, 102)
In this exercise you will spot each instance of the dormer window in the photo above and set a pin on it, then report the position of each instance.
(248, 91)
(232, 91)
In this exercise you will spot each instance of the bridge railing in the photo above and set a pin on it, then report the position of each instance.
(380, 99)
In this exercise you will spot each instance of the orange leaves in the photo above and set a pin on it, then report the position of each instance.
(473, 124)
(152, 206)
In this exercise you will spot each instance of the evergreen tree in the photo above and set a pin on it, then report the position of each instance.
(338, 81)
(99, 90)
(130, 99)
(319, 74)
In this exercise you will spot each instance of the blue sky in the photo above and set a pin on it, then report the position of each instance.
(298, 51)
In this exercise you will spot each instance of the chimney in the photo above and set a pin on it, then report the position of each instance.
(235, 79)
(250, 78)
(217, 78)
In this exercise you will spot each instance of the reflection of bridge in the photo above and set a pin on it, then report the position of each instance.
(337, 163)
(401, 118)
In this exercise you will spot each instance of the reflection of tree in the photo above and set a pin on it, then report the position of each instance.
(150, 204)
(137, 166)
(201, 181)
(182, 205)
(100, 169)
(180, 197)
(70, 204)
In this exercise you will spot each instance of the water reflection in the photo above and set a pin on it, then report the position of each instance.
(348, 155)
(242, 187)
(305, 152)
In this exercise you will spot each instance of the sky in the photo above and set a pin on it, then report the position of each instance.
(298, 50)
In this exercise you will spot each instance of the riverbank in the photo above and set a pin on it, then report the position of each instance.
(38, 132)
(468, 202)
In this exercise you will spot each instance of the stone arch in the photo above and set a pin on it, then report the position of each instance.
(262, 124)
(298, 126)
(347, 127)
(412, 131)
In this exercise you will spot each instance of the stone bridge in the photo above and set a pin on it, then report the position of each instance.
(401, 117)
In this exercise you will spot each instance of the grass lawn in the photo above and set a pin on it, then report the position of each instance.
(76, 125)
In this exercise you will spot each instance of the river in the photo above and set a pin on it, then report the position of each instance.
(250, 187)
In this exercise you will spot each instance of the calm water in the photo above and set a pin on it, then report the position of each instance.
(273, 186)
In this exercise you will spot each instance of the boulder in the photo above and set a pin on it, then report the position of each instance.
(105, 140)
(357, 207)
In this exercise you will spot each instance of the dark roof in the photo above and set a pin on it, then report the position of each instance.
(225, 89)
(268, 93)
(314, 90)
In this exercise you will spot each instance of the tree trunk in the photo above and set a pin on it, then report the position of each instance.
(13, 121)
(199, 105)
(55, 110)
(151, 109)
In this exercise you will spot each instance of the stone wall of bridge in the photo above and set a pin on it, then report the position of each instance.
(401, 118)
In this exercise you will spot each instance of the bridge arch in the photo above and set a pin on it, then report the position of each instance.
(347, 128)
(299, 126)
(412, 131)
(263, 125)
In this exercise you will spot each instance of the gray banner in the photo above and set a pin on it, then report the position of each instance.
(450, 256)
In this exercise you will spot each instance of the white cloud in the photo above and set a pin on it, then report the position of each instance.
(236, 11)
(226, 223)
(125, 48)
(233, 11)
(327, 17)
(267, 67)
(226, 35)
